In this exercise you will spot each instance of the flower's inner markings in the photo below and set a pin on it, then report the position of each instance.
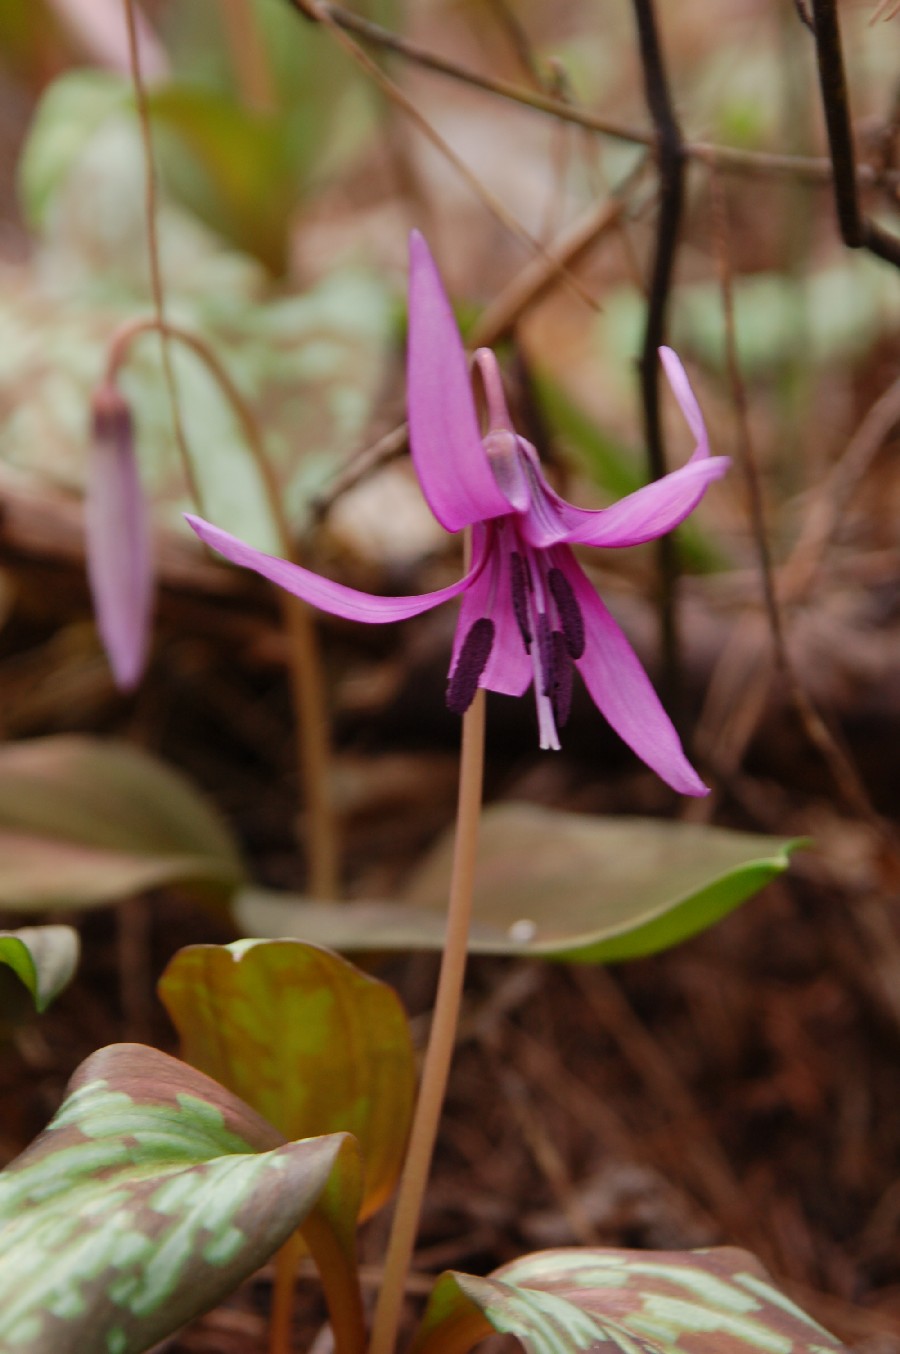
(570, 617)
(521, 586)
(472, 661)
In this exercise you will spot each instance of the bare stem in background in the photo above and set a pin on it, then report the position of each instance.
(248, 53)
(316, 10)
(857, 231)
(835, 756)
(441, 1039)
(731, 159)
(671, 161)
(156, 282)
(311, 722)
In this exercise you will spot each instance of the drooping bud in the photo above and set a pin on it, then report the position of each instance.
(471, 663)
(119, 564)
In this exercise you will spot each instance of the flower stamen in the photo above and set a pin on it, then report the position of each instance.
(570, 617)
(471, 663)
(521, 586)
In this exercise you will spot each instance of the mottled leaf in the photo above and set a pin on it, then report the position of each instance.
(556, 885)
(635, 1302)
(304, 1037)
(43, 958)
(84, 821)
(149, 1197)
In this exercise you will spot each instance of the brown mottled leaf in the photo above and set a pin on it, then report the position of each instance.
(718, 1301)
(149, 1197)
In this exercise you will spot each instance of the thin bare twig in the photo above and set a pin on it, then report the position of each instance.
(671, 162)
(843, 771)
(321, 13)
(730, 159)
(857, 231)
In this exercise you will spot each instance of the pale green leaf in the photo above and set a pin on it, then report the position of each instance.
(85, 821)
(552, 885)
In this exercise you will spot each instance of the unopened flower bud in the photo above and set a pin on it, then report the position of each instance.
(120, 568)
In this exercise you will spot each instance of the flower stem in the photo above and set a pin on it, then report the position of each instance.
(441, 1039)
(304, 660)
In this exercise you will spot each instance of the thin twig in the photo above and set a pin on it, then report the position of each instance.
(857, 231)
(834, 755)
(744, 442)
(730, 159)
(799, 571)
(249, 57)
(156, 282)
(671, 162)
(313, 751)
(321, 12)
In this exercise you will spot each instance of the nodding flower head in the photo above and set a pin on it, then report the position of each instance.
(117, 533)
(529, 615)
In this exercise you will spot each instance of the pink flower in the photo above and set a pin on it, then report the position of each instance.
(529, 615)
(119, 560)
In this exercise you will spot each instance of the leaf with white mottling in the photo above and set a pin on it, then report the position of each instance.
(718, 1301)
(148, 1198)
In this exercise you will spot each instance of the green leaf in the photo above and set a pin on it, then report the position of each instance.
(552, 885)
(44, 958)
(240, 171)
(149, 1197)
(304, 1037)
(638, 1302)
(84, 821)
(70, 112)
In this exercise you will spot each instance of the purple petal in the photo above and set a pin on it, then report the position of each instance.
(322, 592)
(444, 436)
(621, 689)
(649, 512)
(119, 561)
(508, 669)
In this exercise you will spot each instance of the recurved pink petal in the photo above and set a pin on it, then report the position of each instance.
(444, 436)
(117, 540)
(648, 512)
(622, 692)
(349, 603)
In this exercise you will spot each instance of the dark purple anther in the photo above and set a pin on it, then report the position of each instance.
(471, 663)
(562, 671)
(518, 572)
(570, 617)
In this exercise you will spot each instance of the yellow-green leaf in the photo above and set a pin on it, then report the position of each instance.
(304, 1037)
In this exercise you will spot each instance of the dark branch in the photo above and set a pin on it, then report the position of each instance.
(857, 231)
(671, 159)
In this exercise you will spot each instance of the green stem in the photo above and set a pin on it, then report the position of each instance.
(441, 1039)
